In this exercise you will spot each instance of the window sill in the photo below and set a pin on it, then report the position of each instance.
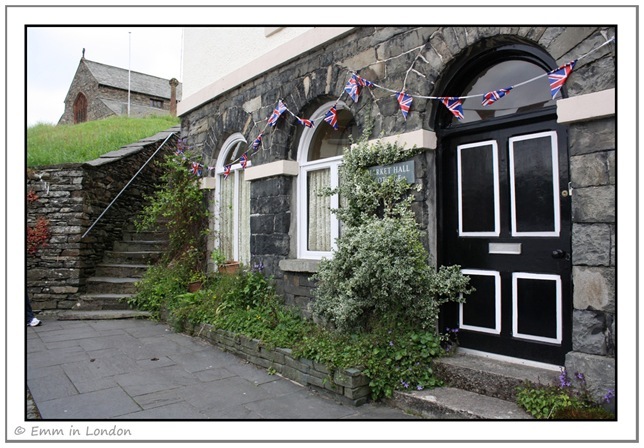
(299, 265)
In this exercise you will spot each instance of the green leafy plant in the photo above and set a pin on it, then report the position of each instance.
(380, 270)
(178, 205)
(564, 401)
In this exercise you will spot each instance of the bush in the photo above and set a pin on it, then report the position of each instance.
(381, 270)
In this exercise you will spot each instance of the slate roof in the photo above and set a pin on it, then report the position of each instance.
(120, 108)
(139, 82)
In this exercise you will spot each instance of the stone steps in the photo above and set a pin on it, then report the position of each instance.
(476, 387)
(116, 285)
(140, 246)
(121, 270)
(115, 278)
(103, 301)
(103, 315)
(124, 257)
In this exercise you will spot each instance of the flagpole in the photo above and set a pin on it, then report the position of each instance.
(129, 63)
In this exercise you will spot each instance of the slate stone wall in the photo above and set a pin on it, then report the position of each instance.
(593, 175)
(71, 197)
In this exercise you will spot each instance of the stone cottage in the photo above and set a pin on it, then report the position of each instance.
(517, 172)
(99, 91)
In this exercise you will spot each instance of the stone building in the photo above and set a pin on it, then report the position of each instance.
(99, 91)
(520, 193)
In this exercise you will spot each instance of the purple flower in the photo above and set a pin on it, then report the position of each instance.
(405, 384)
(391, 343)
(419, 387)
(580, 377)
(564, 381)
(258, 267)
(610, 395)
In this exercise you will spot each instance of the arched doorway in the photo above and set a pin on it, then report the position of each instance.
(80, 108)
(504, 206)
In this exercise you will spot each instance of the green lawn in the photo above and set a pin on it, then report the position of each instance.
(52, 145)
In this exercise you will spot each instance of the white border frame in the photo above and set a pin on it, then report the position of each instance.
(497, 303)
(332, 163)
(228, 145)
(495, 172)
(515, 307)
(554, 150)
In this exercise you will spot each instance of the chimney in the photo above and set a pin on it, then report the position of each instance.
(173, 96)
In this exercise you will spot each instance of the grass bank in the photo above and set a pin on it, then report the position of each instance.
(48, 144)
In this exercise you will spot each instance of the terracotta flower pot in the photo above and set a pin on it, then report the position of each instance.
(194, 286)
(230, 267)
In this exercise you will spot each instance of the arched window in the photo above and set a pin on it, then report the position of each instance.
(320, 155)
(232, 207)
(80, 109)
(530, 96)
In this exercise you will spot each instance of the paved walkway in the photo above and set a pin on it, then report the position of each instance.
(139, 370)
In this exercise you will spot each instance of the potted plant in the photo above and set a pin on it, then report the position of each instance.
(196, 281)
(223, 265)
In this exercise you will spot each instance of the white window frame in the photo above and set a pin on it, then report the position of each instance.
(229, 145)
(331, 163)
(554, 149)
(495, 174)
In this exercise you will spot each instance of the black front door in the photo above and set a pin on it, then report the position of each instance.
(505, 205)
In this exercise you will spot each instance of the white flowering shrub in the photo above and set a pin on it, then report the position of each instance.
(380, 272)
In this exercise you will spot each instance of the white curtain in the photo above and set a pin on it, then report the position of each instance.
(226, 223)
(319, 214)
(244, 219)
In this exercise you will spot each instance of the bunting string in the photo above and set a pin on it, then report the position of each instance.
(355, 87)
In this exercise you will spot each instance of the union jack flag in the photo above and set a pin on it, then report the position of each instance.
(196, 169)
(404, 101)
(279, 109)
(455, 106)
(331, 117)
(354, 86)
(492, 97)
(557, 78)
(305, 122)
(226, 171)
(257, 142)
(244, 160)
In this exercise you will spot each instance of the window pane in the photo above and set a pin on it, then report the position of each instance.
(533, 95)
(329, 142)
(319, 213)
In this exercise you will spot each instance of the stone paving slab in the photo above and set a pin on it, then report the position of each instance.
(141, 370)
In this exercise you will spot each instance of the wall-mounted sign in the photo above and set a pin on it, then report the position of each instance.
(403, 170)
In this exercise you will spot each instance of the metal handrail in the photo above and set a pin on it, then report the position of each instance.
(128, 184)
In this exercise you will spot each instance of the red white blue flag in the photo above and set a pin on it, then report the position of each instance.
(257, 142)
(305, 122)
(227, 171)
(279, 110)
(454, 105)
(354, 86)
(404, 101)
(196, 168)
(331, 117)
(244, 160)
(493, 96)
(557, 78)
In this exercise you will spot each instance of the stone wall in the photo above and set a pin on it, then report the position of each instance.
(71, 197)
(592, 174)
